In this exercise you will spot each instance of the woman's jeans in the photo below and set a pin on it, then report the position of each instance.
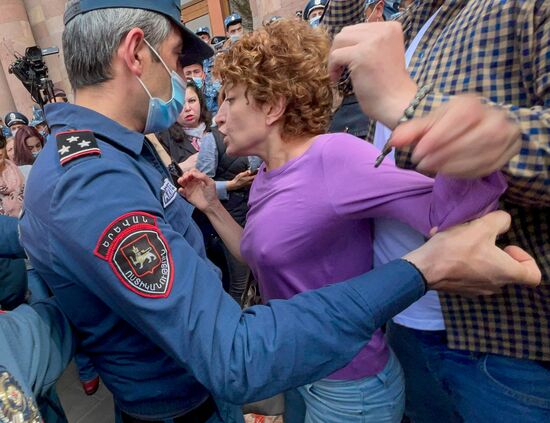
(376, 399)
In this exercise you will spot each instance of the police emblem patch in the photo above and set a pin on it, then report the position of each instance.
(168, 192)
(15, 406)
(74, 144)
(138, 254)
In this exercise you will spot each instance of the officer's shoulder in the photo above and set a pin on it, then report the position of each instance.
(74, 146)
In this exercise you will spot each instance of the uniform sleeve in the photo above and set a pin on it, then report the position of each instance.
(10, 247)
(358, 190)
(37, 344)
(181, 306)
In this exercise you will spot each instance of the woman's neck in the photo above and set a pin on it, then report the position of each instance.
(280, 151)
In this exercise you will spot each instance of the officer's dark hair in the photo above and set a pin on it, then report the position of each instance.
(91, 39)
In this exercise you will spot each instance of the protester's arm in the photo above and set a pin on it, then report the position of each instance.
(358, 190)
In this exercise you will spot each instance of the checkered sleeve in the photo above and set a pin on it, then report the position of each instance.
(528, 173)
(341, 13)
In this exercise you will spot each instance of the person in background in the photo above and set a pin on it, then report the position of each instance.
(15, 120)
(314, 9)
(12, 184)
(204, 34)
(39, 123)
(233, 27)
(204, 81)
(374, 10)
(27, 146)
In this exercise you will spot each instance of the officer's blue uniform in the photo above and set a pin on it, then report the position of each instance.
(127, 264)
(36, 345)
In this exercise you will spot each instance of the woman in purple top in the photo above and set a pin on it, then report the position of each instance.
(313, 200)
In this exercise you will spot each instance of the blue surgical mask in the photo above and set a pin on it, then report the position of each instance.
(235, 38)
(198, 82)
(162, 115)
(44, 134)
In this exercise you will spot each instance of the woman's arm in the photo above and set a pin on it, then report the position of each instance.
(200, 190)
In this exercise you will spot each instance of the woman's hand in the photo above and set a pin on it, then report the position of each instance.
(241, 180)
(199, 190)
(189, 163)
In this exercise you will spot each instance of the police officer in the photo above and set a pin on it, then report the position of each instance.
(39, 122)
(203, 33)
(15, 120)
(314, 9)
(233, 27)
(133, 278)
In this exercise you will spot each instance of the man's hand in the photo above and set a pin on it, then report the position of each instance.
(463, 138)
(241, 180)
(464, 259)
(374, 53)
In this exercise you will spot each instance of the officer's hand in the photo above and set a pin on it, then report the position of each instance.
(465, 259)
(241, 180)
(189, 163)
(198, 189)
(463, 138)
(374, 53)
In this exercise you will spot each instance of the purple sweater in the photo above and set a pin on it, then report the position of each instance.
(309, 222)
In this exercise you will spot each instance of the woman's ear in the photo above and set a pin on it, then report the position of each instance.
(275, 111)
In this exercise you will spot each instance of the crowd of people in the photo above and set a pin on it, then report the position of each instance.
(341, 216)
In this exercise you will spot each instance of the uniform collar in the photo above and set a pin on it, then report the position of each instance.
(66, 116)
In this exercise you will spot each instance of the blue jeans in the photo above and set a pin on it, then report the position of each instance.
(453, 386)
(377, 399)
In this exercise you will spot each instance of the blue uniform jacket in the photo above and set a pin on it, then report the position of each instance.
(127, 265)
(36, 344)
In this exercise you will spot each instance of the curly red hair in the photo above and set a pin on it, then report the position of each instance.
(284, 59)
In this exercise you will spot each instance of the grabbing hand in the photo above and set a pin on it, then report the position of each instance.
(463, 138)
(198, 189)
(241, 180)
(465, 260)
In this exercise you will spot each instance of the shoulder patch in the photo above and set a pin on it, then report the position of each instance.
(138, 254)
(15, 405)
(74, 144)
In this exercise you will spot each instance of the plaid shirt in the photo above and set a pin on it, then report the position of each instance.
(499, 49)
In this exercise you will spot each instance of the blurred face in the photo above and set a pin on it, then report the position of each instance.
(33, 144)
(242, 121)
(375, 12)
(10, 146)
(236, 29)
(42, 127)
(191, 114)
(205, 38)
(15, 127)
(193, 71)
(315, 13)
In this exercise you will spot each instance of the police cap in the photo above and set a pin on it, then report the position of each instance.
(193, 47)
(203, 30)
(13, 118)
(232, 19)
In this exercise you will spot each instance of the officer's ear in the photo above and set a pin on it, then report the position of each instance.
(274, 111)
(133, 51)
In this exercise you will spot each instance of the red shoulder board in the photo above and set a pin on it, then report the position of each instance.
(74, 144)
